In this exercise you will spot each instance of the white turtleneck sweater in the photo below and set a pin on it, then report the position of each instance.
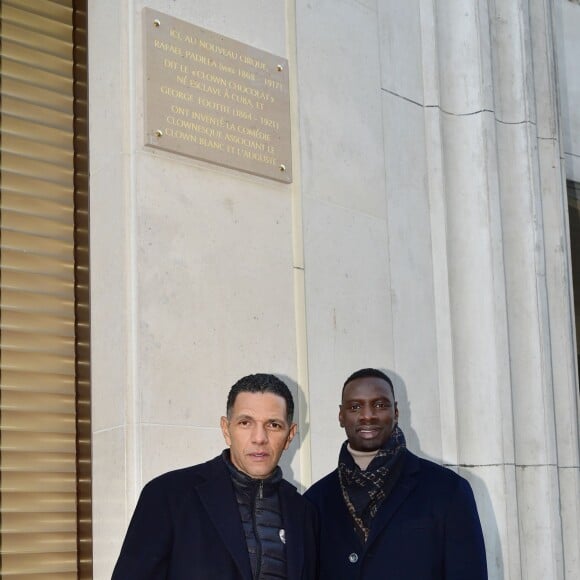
(362, 458)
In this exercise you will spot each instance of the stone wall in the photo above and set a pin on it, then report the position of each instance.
(425, 232)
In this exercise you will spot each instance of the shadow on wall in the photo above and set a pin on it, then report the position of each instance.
(484, 505)
(288, 456)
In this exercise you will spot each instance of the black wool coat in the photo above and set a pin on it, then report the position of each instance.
(427, 529)
(187, 526)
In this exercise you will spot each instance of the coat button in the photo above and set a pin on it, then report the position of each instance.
(353, 558)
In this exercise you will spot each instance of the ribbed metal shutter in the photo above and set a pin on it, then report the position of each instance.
(43, 339)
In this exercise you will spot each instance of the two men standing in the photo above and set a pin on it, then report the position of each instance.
(384, 513)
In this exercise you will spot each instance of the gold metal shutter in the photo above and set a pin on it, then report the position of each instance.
(44, 296)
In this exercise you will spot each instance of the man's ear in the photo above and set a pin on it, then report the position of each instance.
(225, 430)
(340, 416)
(396, 412)
(291, 435)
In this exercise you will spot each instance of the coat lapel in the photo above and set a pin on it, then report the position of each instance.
(408, 480)
(293, 517)
(217, 496)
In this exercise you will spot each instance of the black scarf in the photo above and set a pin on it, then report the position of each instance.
(365, 491)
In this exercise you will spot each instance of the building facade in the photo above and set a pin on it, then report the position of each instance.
(425, 232)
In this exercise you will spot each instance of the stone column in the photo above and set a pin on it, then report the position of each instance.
(471, 131)
(507, 244)
(478, 320)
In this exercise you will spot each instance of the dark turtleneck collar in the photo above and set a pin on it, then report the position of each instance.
(244, 482)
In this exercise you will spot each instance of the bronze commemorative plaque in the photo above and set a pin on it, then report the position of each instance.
(215, 99)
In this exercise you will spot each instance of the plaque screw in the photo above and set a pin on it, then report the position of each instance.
(282, 168)
(157, 23)
(279, 68)
(159, 133)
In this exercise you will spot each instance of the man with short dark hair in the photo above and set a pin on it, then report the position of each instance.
(233, 516)
(386, 513)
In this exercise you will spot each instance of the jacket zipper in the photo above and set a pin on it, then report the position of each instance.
(259, 494)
